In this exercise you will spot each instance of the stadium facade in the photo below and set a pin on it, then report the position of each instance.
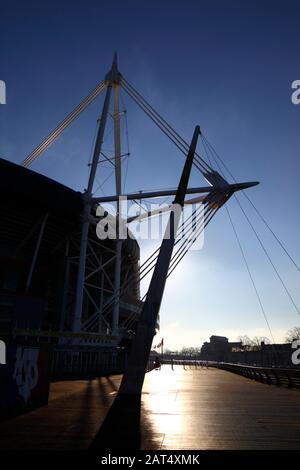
(39, 252)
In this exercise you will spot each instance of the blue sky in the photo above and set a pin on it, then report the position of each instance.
(225, 65)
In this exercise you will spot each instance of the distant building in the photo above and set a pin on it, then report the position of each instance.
(263, 355)
(218, 348)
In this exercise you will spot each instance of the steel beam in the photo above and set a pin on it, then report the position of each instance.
(36, 251)
(118, 179)
(135, 369)
(171, 192)
(76, 326)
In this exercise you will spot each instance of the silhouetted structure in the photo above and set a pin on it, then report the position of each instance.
(220, 349)
(40, 221)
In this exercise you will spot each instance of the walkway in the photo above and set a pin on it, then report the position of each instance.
(72, 418)
(215, 409)
(181, 409)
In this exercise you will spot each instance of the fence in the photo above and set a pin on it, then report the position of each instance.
(85, 362)
(269, 375)
(67, 362)
(189, 363)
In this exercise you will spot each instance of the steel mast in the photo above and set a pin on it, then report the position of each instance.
(118, 182)
(87, 199)
(135, 369)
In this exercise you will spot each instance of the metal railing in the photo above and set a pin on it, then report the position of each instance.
(269, 375)
(67, 362)
(85, 362)
(189, 363)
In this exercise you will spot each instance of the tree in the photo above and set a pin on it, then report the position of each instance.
(253, 344)
(293, 333)
(257, 340)
(190, 351)
(245, 340)
(168, 352)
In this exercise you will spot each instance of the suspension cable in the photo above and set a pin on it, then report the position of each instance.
(217, 156)
(193, 240)
(269, 258)
(174, 262)
(186, 240)
(141, 101)
(143, 271)
(168, 131)
(261, 243)
(250, 274)
(62, 126)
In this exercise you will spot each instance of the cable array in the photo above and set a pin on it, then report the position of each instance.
(62, 126)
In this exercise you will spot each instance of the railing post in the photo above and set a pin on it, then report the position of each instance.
(290, 380)
(269, 380)
(278, 382)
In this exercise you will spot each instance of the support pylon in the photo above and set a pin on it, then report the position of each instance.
(111, 76)
(136, 366)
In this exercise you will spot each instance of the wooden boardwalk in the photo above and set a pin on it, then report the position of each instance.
(181, 409)
(72, 418)
(215, 409)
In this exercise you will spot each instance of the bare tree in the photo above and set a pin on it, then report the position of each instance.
(257, 340)
(253, 344)
(190, 351)
(245, 340)
(167, 352)
(293, 333)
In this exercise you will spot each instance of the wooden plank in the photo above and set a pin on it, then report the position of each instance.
(215, 409)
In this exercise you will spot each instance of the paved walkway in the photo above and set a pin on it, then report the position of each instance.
(215, 409)
(181, 409)
(71, 420)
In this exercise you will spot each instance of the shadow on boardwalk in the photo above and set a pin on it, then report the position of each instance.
(121, 428)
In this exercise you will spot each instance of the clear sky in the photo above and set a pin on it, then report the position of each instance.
(226, 65)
